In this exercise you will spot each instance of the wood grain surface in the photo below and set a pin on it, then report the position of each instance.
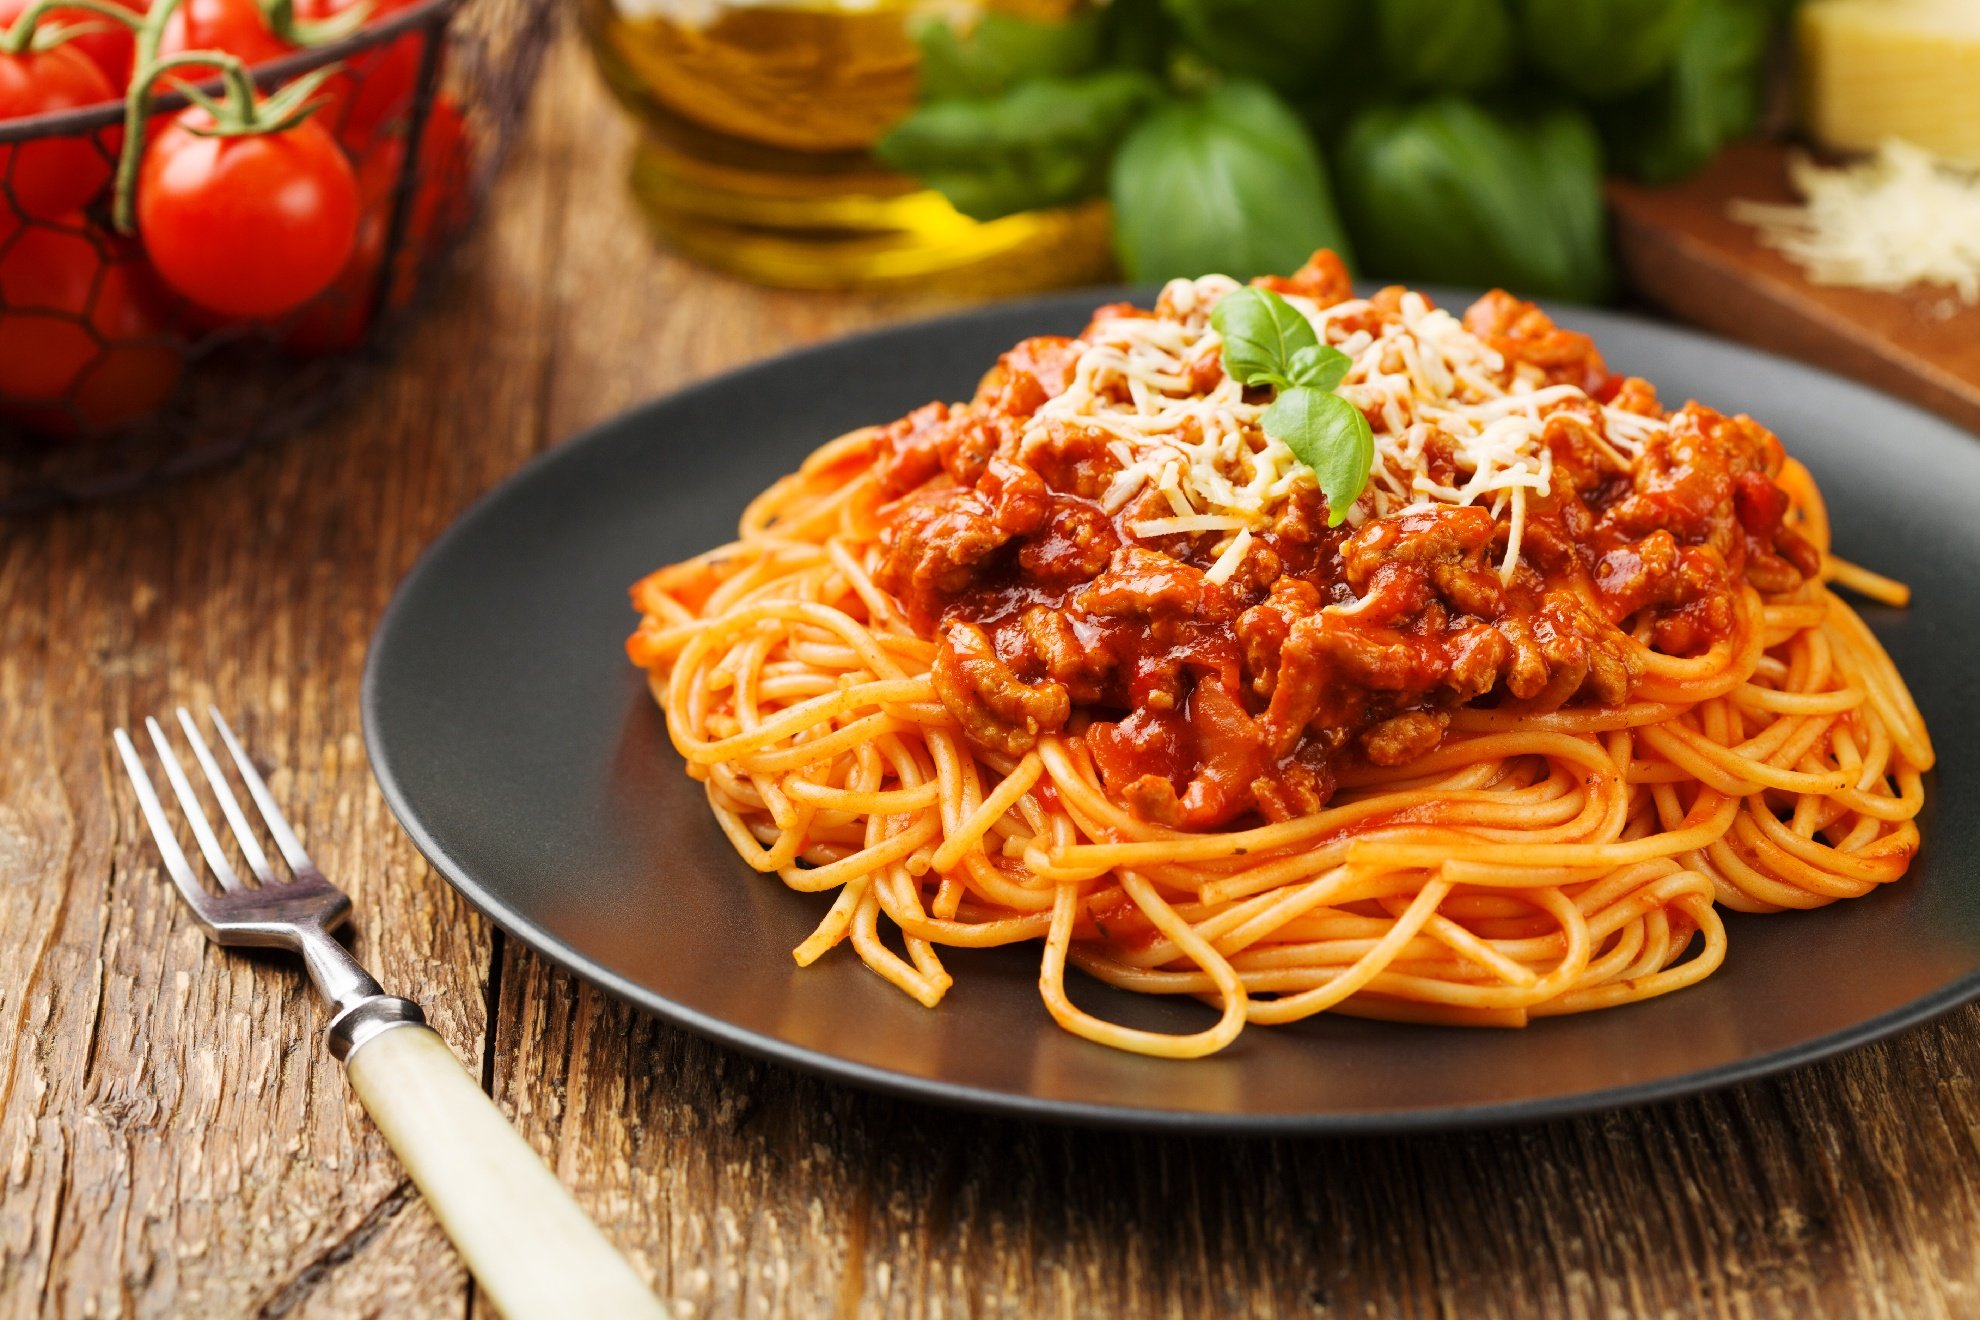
(174, 1142)
(1683, 251)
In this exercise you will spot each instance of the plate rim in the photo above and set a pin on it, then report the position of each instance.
(987, 1100)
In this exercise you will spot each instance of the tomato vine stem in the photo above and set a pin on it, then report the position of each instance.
(28, 34)
(239, 112)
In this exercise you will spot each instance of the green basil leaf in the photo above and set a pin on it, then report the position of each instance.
(1136, 34)
(998, 51)
(1321, 367)
(1330, 436)
(1262, 334)
(1565, 164)
(1284, 42)
(1454, 192)
(1445, 45)
(1713, 92)
(1045, 143)
(1602, 49)
(1229, 182)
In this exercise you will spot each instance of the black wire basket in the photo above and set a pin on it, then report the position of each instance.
(114, 384)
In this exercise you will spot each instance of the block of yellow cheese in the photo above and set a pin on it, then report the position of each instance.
(1876, 69)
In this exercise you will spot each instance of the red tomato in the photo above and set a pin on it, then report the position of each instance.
(110, 46)
(52, 176)
(83, 347)
(446, 158)
(336, 320)
(246, 226)
(370, 92)
(376, 87)
(236, 27)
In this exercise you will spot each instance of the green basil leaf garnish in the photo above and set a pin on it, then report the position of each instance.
(1268, 341)
(1330, 436)
(1320, 367)
(1263, 334)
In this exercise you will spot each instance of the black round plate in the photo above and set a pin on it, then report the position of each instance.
(522, 753)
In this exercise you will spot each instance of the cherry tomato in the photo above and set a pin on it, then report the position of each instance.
(246, 226)
(52, 176)
(371, 91)
(445, 158)
(376, 87)
(236, 27)
(337, 319)
(110, 46)
(83, 345)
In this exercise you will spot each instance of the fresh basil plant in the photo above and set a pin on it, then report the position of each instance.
(1001, 51)
(1044, 143)
(1712, 93)
(1445, 45)
(1449, 192)
(1603, 49)
(1284, 42)
(1228, 181)
(1203, 121)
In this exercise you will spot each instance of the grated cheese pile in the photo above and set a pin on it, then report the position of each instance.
(1423, 376)
(1896, 220)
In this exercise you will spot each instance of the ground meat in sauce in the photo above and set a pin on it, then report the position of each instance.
(1203, 704)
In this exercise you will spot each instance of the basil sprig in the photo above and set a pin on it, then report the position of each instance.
(1267, 341)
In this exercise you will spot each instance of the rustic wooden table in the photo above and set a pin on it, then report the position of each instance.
(173, 1141)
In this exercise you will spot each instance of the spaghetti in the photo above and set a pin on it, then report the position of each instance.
(1080, 662)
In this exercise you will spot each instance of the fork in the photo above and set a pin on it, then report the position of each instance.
(527, 1242)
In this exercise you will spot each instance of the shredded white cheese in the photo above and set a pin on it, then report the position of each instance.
(1898, 219)
(1227, 562)
(1195, 522)
(1424, 378)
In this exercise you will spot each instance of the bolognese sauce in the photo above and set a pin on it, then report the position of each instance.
(1209, 688)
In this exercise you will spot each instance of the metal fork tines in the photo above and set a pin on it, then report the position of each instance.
(297, 912)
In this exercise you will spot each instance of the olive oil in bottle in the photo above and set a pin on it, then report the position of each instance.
(759, 119)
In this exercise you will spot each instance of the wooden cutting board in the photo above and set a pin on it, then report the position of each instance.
(1683, 253)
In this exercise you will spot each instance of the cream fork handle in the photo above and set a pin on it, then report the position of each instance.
(523, 1237)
